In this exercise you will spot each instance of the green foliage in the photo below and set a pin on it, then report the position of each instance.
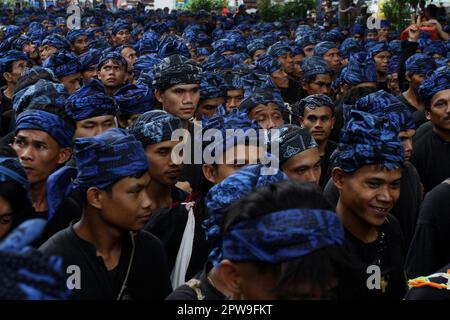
(398, 13)
(289, 10)
(208, 5)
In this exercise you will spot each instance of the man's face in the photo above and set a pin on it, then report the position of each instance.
(333, 58)
(268, 116)
(128, 207)
(319, 121)
(47, 51)
(439, 113)
(162, 169)
(92, 127)
(122, 37)
(90, 73)
(309, 50)
(370, 193)
(372, 36)
(234, 99)
(80, 45)
(382, 61)
(112, 74)
(415, 80)
(304, 166)
(71, 82)
(39, 154)
(208, 107)
(383, 33)
(287, 62)
(393, 85)
(280, 78)
(406, 138)
(31, 49)
(18, 67)
(258, 53)
(6, 217)
(297, 72)
(321, 85)
(129, 54)
(180, 100)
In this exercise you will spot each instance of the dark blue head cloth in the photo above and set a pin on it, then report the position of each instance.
(368, 140)
(202, 52)
(333, 36)
(26, 273)
(322, 47)
(19, 42)
(312, 66)
(73, 35)
(293, 140)
(436, 47)
(105, 57)
(154, 127)
(133, 99)
(254, 82)
(57, 41)
(107, 158)
(233, 79)
(89, 58)
(144, 64)
(267, 64)
(90, 101)
(217, 62)
(11, 31)
(220, 196)
(381, 104)
(279, 48)
(256, 45)
(385, 24)
(120, 24)
(437, 81)
(148, 43)
(395, 47)
(48, 122)
(174, 70)
(357, 29)
(100, 43)
(361, 68)
(348, 46)
(145, 79)
(261, 97)
(42, 93)
(90, 32)
(315, 101)
(171, 45)
(8, 57)
(212, 86)
(269, 38)
(393, 64)
(63, 64)
(222, 45)
(12, 170)
(420, 63)
(296, 50)
(282, 236)
(307, 40)
(377, 47)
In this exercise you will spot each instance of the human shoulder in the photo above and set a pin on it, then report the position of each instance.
(59, 242)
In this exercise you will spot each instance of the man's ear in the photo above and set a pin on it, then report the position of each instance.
(64, 155)
(7, 76)
(231, 278)
(338, 176)
(94, 197)
(408, 76)
(304, 85)
(333, 122)
(159, 95)
(428, 114)
(300, 120)
(210, 173)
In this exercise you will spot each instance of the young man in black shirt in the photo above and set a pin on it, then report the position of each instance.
(106, 253)
(367, 172)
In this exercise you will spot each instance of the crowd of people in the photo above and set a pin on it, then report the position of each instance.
(96, 202)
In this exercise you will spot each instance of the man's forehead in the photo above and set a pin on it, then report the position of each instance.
(35, 135)
(185, 86)
(266, 108)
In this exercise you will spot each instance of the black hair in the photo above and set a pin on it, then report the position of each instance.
(351, 96)
(319, 268)
(432, 11)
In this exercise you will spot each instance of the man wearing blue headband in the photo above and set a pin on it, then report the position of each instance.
(383, 32)
(329, 52)
(52, 44)
(112, 71)
(121, 32)
(367, 172)
(66, 67)
(89, 61)
(235, 88)
(78, 40)
(265, 108)
(117, 260)
(316, 77)
(381, 55)
(432, 149)
(213, 91)
(133, 101)
(26, 45)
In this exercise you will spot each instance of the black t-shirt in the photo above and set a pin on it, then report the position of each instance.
(148, 277)
(203, 288)
(385, 252)
(430, 247)
(430, 293)
(418, 115)
(168, 225)
(431, 157)
(325, 163)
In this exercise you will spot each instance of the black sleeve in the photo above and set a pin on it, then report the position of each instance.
(408, 49)
(183, 292)
(331, 193)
